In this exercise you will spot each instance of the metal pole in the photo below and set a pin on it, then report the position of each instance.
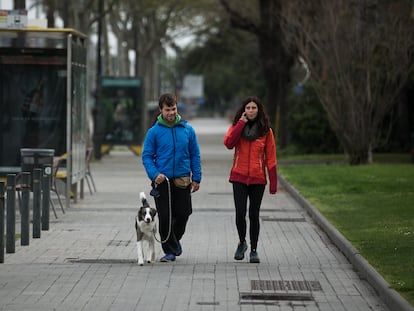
(11, 213)
(36, 202)
(97, 110)
(1, 222)
(25, 222)
(47, 173)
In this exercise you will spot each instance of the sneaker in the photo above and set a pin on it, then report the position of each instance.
(254, 258)
(168, 258)
(241, 248)
(179, 249)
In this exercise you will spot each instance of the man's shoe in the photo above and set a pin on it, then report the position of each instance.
(241, 248)
(168, 258)
(254, 258)
(179, 249)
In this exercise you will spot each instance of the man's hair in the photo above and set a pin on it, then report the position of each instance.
(167, 99)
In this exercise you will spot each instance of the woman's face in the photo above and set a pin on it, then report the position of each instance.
(251, 110)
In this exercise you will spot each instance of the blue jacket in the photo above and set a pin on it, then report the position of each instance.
(172, 151)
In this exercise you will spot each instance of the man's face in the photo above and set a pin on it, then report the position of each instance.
(169, 113)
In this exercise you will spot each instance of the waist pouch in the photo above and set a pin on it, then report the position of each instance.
(182, 182)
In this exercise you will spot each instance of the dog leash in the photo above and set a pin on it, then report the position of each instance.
(170, 215)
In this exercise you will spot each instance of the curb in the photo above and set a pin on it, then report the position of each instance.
(390, 296)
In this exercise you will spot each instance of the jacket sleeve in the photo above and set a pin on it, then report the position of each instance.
(148, 155)
(233, 134)
(271, 162)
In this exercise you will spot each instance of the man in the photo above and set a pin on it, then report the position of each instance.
(171, 157)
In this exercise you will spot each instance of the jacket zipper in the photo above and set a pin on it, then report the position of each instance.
(173, 138)
(248, 167)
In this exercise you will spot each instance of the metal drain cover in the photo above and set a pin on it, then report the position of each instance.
(273, 291)
(285, 285)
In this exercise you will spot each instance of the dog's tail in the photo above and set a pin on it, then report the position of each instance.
(143, 199)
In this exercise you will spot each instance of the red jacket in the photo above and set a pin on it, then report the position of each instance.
(252, 157)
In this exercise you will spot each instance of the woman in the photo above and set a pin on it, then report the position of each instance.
(255, 150)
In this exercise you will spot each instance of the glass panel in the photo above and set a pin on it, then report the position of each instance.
(32, 104)
(121, 103)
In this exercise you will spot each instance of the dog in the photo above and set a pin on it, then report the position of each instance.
(145, 227)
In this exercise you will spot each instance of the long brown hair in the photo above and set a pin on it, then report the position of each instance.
(261, 119)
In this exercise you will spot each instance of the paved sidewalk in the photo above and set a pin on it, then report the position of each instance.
(87, 260)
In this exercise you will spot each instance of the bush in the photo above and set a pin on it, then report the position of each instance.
(309, 129)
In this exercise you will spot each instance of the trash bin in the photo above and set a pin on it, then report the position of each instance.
(36, 158)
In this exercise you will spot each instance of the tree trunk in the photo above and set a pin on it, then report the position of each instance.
(50, 14)
(275, 57)
(358, 157)
(19, 4)
(276, 67)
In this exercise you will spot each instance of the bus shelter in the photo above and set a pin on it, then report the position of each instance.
(43, 89)
(121, 120)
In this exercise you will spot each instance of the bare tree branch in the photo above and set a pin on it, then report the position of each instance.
(360, 54)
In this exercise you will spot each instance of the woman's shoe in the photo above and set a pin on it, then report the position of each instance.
(241, 248)
(254, 258)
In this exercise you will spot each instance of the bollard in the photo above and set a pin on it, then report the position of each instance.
(37, 172)
(2, 222)
(11, 214)
(25, 221)
(47, 173)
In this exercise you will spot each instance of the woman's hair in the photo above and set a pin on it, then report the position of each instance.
(261, 119)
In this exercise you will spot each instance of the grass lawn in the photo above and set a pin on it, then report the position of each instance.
(372, 206)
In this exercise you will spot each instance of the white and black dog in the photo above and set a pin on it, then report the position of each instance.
(145, 227)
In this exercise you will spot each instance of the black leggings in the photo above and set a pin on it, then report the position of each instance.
(255, 194)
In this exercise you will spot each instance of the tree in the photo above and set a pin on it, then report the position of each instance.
(221, 59)
(262, 18)
(360, 54)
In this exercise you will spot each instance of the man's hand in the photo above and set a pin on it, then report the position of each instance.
(195, 186)
(159, 179)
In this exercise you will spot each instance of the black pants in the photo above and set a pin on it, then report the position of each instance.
(255, 194)
(172, 225)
